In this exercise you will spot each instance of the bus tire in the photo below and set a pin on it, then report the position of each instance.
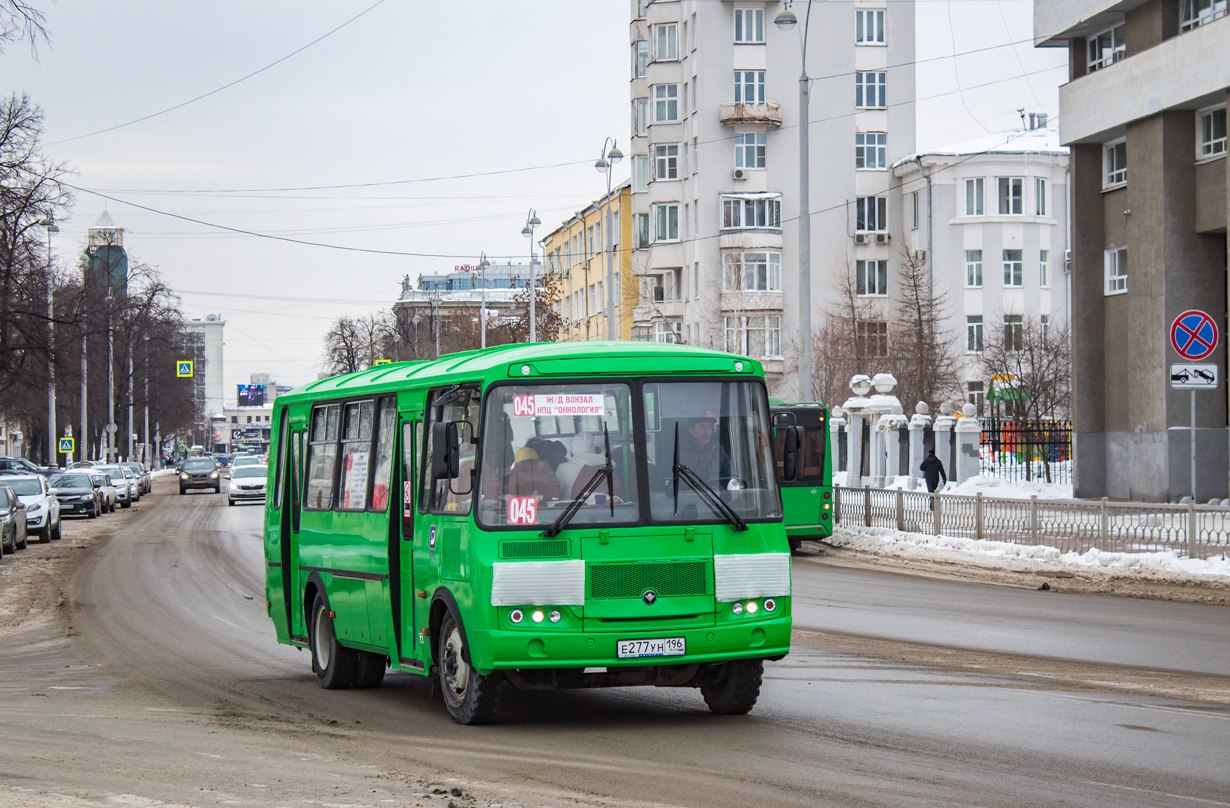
(732, 688)
(369, 670)
(795, 544)
(469, 696)
(333, 662)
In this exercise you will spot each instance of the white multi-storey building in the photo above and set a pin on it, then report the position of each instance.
(715, 164)
(998, 235)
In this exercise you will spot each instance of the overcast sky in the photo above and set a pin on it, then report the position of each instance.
(405, 99)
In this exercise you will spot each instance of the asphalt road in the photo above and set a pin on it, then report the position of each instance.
(159, 682)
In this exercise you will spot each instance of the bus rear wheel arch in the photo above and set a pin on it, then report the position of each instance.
(333, 663)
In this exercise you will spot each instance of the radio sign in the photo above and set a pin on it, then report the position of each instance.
(558, 404)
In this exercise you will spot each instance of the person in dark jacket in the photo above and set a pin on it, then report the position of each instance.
(932, 469)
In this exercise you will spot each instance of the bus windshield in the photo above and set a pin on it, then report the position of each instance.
(548, 448)
(544, 444)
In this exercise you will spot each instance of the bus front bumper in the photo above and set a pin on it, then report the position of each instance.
(540, 647)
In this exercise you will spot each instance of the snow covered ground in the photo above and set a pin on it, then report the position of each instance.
(984, 484)
(993, 555)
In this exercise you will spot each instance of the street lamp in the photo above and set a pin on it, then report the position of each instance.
(531, 221)
(786, 20)
(52, 447)
(483, 263)
(606, 163)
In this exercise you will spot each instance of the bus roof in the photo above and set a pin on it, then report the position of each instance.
(545, 361)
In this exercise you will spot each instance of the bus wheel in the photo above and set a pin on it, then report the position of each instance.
(732, 688)
(469, 696)
(795, 544)
(369, 671)
(333, 662)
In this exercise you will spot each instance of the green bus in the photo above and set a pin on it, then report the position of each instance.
(546, 516)
(802, 448)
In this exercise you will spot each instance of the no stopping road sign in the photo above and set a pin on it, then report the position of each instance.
(1193, 335)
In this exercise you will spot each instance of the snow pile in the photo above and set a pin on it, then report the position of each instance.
(1161, 566)
(1011, 489)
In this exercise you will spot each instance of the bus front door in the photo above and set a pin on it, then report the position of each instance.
(298, 627)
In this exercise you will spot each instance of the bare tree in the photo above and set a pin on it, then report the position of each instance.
(20, 19)
(852, 337)
(925, 356)
(355, 343)
(1034, 361)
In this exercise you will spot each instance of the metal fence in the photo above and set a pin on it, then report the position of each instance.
(1032, 450)
(1196, 531)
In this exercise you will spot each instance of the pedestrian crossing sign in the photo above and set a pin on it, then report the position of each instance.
(383, 362)
(66, 445)
(183, 369)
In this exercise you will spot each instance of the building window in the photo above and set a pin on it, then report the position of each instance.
(1046, 327)
(914, 205)
(640, 173)
(976, 395)
(1116, 271)
(749, 149)
(1107, 47)
(666, 161)
(667, 331)
(666, 222)
(749, 86)
(1114, 158)
(973, 269)
(871, 338)
(1044, 275)
(1211, 133)
(752, 211)
(638, 8)
(1195, 13)
(973, 333)
(871, 214)
(754, 334)
(665, 103)
(869, 27)
(640, 58)
(749, 26)
(640, 113)
(870, 91)
(871, 278)
(1014, 268)
(1011, 196)
(666, 42)
(974, 197)
(752, 272)
(871, 150)
(1039, 196)
(1014, 332)
(640, 221)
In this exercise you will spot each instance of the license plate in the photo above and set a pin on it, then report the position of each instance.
(663, 646)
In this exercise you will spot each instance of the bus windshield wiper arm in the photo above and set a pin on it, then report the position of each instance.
(606, 472)
(710, 497)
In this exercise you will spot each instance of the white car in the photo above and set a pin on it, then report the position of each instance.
(239, 461)
(247, 483)
(42, 506)
(125, 484)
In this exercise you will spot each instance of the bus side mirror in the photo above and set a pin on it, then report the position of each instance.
(445, 451)
(793, 445)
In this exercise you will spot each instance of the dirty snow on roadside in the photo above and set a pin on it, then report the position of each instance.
(1162, 566)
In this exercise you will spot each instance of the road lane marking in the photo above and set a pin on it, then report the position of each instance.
(1160, 793)
(228, 622)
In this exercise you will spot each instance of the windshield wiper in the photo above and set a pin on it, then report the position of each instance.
(607, 472)
(703, 489)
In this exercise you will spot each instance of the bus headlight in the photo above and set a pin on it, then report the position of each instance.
(537, 616)
(736, 607)
(752, 607)
(555, 616)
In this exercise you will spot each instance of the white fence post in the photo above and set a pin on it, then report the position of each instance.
(1193, 530)
(900, 509)
(1033, 519)
(978, 516)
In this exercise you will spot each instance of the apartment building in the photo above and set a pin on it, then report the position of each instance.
(577, 252)
(991, 215)
(1144, 113)
(715, 158)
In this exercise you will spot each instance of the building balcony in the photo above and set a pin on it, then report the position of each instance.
(769, 113)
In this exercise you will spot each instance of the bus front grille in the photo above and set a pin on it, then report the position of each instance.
(667, 579)
(545, 548)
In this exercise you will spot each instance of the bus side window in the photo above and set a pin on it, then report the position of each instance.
(385, 426)
(279, 473)
(443, 495)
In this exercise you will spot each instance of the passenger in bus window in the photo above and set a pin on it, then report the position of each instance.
(533, 473)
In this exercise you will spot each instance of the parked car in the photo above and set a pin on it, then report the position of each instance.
(13, 514)
(125, 486)
(78, 493)
(200, 472)
(239, 461)
(247, 484)
(24, 466)
(145, 483)
(110, 493)
(42, 507)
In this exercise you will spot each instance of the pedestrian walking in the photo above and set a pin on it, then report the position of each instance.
(933, 470)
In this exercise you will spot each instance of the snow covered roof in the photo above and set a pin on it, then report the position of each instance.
(1017, 141)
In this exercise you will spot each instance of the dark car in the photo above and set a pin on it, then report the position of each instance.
(78, 493)
(23, 466)
(12, 521)
(200, 472)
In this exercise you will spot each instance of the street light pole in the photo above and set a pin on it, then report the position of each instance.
(52, 445)
(786, 20)
(483, 263)
(531, 221)
(606, 163)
